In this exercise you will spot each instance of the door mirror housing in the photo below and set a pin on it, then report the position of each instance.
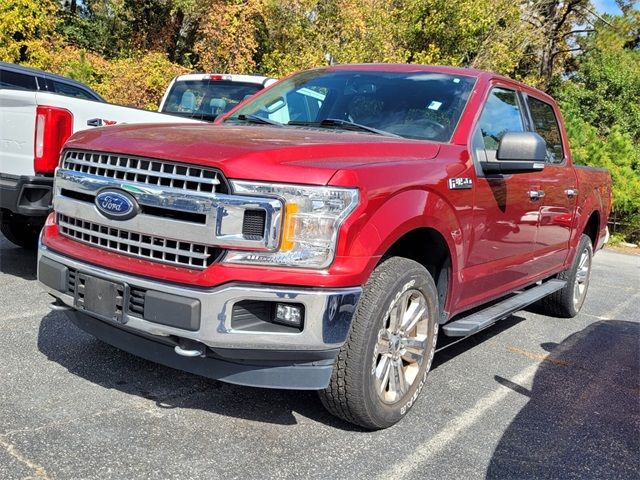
(518, 152)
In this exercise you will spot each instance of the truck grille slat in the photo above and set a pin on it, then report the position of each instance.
(148, 247)
(143, 170)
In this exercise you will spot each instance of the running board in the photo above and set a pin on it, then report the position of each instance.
(487, 317)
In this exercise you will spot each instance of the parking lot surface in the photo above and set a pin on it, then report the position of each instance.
(531, 397)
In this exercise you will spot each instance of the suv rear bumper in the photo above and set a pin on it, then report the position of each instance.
(202, 323)
(26, 195)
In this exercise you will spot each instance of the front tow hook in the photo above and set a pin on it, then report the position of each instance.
(189, 348)
(58, 306)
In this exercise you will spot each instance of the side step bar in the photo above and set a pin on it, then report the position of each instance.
(487, 317)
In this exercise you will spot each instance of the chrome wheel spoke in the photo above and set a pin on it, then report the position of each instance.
(383, 369)
(394, 319)
(397, 381)
(415, 343)
(413, 356)
(383, 346)
(415, 312)
(582, 277)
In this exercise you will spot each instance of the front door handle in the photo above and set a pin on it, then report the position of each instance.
(571, 192)
(536, 194)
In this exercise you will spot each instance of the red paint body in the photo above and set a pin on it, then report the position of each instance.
(498, 239)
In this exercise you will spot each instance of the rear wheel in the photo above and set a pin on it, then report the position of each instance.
(20, 231)
(567, 302)
(382, 367)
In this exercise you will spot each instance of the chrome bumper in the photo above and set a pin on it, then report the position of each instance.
(328, 312)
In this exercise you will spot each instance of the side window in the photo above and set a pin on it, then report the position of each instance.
(546, 125)
(70, 91)
(17, 81)
(501, 114)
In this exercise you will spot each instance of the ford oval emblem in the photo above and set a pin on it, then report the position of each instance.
(116, 204)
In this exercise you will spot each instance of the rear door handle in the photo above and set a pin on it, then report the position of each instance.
(571, 192)
(536, 194)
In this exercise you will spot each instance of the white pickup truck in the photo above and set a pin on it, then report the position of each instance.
(34, 126)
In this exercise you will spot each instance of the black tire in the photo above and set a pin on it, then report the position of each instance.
(563, 303)
(20, 233)
(351, 394)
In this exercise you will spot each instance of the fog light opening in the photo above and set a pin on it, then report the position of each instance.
(289, 314)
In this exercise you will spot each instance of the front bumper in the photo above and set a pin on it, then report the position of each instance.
(26, 195)
(278, 359)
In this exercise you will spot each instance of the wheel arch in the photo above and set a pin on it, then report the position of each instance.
(427, 232)
(592, 228)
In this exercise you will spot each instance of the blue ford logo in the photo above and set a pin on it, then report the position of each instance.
(116, 205)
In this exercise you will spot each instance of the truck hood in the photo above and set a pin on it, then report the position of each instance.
(275, 154)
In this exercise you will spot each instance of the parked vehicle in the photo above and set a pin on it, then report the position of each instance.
(34, 126)
(205, 96)
(17, 77)
(327, 252)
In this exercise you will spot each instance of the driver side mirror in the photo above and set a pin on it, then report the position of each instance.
(518, 152)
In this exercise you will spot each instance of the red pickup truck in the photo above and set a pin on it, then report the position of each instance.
(323, 233)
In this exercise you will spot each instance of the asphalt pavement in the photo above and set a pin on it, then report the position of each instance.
(531, 397)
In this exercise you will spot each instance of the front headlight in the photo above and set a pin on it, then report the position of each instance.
(312, 219)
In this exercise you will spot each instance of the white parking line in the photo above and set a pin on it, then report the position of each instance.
(406, 467)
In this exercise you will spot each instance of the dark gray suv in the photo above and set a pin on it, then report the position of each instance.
(25, 78)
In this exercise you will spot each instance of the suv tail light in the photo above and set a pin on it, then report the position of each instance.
(53, 127)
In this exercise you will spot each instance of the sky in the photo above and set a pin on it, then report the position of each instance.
(606, 6)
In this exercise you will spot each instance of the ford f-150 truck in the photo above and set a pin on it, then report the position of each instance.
(323, 233)
(33, 127)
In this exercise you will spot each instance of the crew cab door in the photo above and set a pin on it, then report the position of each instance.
(505, 219)
(557, 188)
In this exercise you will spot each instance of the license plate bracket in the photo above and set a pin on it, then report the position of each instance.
(99, 297)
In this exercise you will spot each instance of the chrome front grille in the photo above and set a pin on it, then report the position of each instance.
(144, 171)
(186, 215)
(148, 247)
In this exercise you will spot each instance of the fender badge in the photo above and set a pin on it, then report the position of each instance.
(460, 183)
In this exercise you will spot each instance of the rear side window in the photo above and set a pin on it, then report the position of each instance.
(501, 114)
(71, 91)
(546, 125)
(17, 81)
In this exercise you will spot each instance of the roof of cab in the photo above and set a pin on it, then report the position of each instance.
(256, 79)
(482, 75)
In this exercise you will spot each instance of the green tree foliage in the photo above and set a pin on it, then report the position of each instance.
(601, 101)
(26, 30)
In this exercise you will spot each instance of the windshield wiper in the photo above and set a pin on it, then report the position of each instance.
(345, 125)
(256, 119)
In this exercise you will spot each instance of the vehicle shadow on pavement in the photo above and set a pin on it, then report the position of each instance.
(583, 416)
(17, 261)
(104, 365)
(450, 347)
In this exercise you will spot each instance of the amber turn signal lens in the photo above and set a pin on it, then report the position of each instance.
(290, 210)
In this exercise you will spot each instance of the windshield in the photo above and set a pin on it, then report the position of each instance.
(206, 99)
(418, 105)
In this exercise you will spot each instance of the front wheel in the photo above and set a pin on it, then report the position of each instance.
(382, 367)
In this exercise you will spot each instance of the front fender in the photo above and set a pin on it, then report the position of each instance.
(402, 213)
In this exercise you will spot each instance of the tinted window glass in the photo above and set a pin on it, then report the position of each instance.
(206, 99)
(17, 81)
(546, 125)
(71, 91)
(420, 105)
(501, 114)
